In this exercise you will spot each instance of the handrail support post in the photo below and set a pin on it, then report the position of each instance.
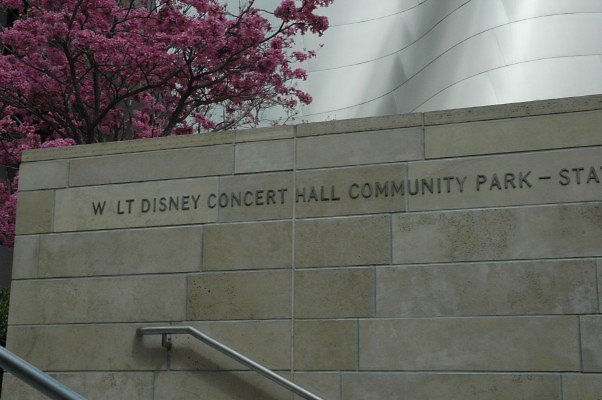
(189, 330)
(166, 341)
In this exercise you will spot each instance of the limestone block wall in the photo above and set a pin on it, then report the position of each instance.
(445, 255)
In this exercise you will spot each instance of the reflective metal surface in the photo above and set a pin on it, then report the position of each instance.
(36, 378)
(260, 369)
(396, 56)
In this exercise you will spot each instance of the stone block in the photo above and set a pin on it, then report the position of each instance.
(342, 242)
(89, 347)
(129, 146)
(591, 342)
(514, 134)
(516, 179)
(217, 386)
(276, 155)
(558, 231)
(255, 197)
(334, 293)
(25, 257)
(266, 342)
(370, 147)
(240, 295)
(470, 344)
(347, 191)
(175, 202)
(121, 252)
(324, 384)
(360, 124)
(424, 386)
(581, 387)
(325, 345)
(96, 300)
(91, 385)
(154, 165)
(248, 246)
(514, 288)
(266, 133)
(34, 212)
(43, 175)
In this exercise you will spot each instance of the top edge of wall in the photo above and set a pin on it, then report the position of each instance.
(472, 114)
(514, 110)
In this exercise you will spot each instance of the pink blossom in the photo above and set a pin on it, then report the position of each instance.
(88, 71)
(303, 97)
(286, 10)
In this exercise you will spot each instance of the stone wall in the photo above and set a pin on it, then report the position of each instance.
(448, 255)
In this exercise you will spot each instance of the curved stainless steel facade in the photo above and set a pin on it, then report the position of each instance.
(396, 56)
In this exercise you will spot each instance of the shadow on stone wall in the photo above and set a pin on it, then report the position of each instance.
(6, 255)
(6, 260)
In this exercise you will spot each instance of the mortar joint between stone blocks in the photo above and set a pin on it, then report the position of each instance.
(37, 255)
(390, 243)
(53, 211)
(406, 197)
(374, 291)
(357, 343)
(580, 339)
(293, 244)
(598, 265)
(68, 173)
(423, 137)
(187, 293)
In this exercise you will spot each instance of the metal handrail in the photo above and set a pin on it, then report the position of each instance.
(36, 378)
(189, 330)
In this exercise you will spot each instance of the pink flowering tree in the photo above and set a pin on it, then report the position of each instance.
(88, 71)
